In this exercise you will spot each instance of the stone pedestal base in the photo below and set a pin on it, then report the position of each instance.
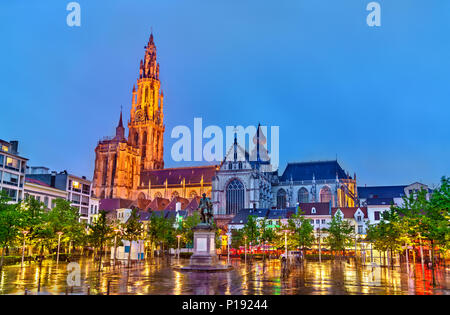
(204, 258)
(204, 246)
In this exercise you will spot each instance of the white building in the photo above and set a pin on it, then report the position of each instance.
(78, 188)
(43, 192)
(12, 170)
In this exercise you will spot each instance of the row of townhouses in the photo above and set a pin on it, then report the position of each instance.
(19, 181)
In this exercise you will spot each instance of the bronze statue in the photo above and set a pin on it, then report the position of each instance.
(205, 208)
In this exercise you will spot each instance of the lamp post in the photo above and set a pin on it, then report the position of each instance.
(59, 244)
(245, 249)
(228, 247)
(320, 248)
(285, 243)
(115, 247)
(178, 237)
(23, 246)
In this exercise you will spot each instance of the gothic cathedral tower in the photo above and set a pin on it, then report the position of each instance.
(119, 162)
(146, 128)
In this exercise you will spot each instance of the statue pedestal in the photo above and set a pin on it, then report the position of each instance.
(204, 258)
(204, 246)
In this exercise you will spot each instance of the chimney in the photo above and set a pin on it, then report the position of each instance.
(14, 146)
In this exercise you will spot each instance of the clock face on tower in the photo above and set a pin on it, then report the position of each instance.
(138, 116)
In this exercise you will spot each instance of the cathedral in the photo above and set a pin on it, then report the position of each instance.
(133, 167)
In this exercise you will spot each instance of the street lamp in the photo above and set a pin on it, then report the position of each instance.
(59, 244)
(285, 243)
(228, 247)
(245, 249)
(179, 237)
(115, 247)
(23, 246)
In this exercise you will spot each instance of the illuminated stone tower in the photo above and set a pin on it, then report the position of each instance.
(119, 161)
(146, 128)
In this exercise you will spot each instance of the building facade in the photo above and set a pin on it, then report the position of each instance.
(78, 189)
(43, 192)
(12, 170)
(119, 161)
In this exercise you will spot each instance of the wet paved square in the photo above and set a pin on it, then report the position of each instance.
(159, 277)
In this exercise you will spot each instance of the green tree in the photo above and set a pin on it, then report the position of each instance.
(132, 230)
(66, 219)
(390, 234)
(9, 224)
(340, 233)
(251, 230)
(161, 231)
(303, 231)
(34, 219)
(100, 232)
(185, 230)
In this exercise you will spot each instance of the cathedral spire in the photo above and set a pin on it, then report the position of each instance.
(120, 130)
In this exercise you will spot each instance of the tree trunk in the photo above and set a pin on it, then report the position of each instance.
(100, 258)
(129, 254)
(1, 262)
(432, 263)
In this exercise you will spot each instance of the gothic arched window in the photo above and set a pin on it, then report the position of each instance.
(235, 196)
(325, 194)
(281, 199)
(303, 195)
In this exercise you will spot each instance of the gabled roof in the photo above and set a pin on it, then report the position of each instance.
(175, 176)
(307, 170)
(114, 203)
(157, 204)
(381, 192)
(192, 206)
(322, 208)
(242, 216)
(172, 205)
(275, 214)
(349, 212)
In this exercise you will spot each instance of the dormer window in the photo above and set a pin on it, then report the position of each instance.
(313, 210)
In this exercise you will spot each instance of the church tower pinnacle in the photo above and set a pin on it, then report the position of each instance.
(146, 128)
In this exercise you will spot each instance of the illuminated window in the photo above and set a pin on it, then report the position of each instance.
(75, 185)
(12, 163)
(5, 148)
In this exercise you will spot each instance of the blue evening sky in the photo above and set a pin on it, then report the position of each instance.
(378, 98)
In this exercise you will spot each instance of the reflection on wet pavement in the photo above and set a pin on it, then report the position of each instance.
(158, 277)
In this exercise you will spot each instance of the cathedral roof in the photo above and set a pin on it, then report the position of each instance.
(307, 170)
(175, 176)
